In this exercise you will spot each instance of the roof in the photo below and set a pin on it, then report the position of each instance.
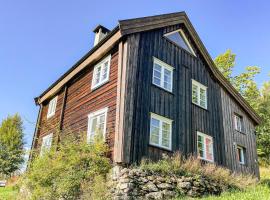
(131, 26)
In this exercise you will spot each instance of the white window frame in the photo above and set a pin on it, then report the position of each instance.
(161, 119)
(242, 154)
(101, 64)
(163, 66)
(185, 40)
(52, 107)
(204, 152)
(89, 127)
(235, 119)
(199, 86)
(44, 148)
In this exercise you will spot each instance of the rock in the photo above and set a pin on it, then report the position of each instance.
(183, 185)
(165, 186)
(168, 194)
(144, 180)
(151, 187)
(154, 195)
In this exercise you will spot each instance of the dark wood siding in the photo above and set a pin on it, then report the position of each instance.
(233, 138)
(80, 101)
(144, 97)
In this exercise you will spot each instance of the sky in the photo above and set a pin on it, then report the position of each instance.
(40, 40)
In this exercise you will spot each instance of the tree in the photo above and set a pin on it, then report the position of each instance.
(259, 99)
(11, 145)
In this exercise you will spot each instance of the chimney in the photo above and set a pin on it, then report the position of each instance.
(100, 32)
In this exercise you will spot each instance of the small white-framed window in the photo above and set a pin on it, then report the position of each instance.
(241, 154)
(101, 72)
(162, 74)
(160, 131)
(238, 122)
(97, 124)
(179, 38)
(199, 94)
(46, 143)
(205, 147)
(52, 107)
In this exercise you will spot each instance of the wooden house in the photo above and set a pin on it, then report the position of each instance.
(150, 86)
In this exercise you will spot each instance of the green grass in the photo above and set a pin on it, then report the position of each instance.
(259, 192)
(8, 193)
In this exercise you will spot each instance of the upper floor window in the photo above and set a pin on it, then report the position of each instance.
(238, 122)
(46, 143)
(199, 94)
(179, 38)
(97, 124)
(101, 72)
(241, 154)
(160, 131)
(205, 147)
(162, 75)
(52, 107)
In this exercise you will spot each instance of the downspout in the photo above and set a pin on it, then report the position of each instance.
(35, 136)
(62, 115)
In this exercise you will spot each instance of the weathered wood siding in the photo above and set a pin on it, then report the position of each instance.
(144, 97)
(233, 138)
(80, 101)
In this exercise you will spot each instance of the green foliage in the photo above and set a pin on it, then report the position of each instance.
(8, 193)
(178, 165)
(61, 174)
(259, 99)
(11, 145)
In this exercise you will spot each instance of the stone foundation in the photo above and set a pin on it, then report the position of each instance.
(139, 184)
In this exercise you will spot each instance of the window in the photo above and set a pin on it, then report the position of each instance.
(179, 38)
(241, 154)
(101, 72)
(199, 94)
(46, 143)
(162, 75)
(205, 147)
(52, 107)
(160, 131)
(97, 124)
(238, 122)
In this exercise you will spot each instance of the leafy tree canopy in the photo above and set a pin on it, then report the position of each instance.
(11, 145)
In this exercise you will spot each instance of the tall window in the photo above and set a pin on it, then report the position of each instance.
(97, 124)
(241, 154)
(238, 122)
(46, 143)
(52, 107)
(160, 131)
(205, 147)
(162, 75)
(179, 38)
(199, 94)
(101, 72)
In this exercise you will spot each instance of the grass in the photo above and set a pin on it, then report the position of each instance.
(259, 192)
(8, 193)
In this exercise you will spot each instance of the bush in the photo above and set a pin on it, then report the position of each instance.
(62, 174)
(178, 165)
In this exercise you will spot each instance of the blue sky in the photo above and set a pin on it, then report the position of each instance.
(40, 40)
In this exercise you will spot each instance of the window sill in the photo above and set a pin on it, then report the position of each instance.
(98, 86)
(161, 88)
(50, 116)
(197, 105)
(161, 148)
(205, 160)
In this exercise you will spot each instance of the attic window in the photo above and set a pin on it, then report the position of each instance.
(179, 38)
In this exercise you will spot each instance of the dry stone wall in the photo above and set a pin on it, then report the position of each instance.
(139, 184)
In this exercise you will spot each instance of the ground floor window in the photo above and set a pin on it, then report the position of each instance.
(205, 147)
(97, 124)
(46, 143)
(160, 131)
(241, 154)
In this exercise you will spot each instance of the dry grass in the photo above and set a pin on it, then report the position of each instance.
(178, 165)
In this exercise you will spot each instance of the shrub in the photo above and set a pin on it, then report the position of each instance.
(192, 166)
(61, 174)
